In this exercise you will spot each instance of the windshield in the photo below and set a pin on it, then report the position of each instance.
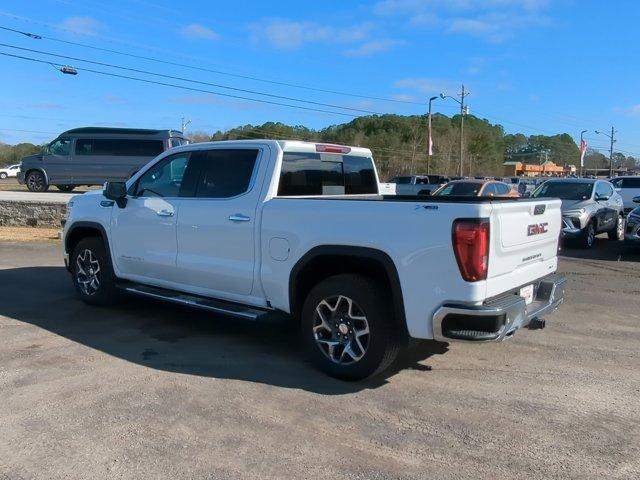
(467, 189)
(564, 191)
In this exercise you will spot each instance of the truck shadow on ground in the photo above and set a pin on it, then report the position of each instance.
(167, 337)
(603, 249)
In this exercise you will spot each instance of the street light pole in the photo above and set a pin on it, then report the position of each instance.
(612, 140)
(462, 96)
(430, 146)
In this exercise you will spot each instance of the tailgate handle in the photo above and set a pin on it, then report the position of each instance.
(539, 209)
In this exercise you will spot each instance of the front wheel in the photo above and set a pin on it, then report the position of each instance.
(92, 274)
(65, 188)
(36, 181)
(589, 235)
(3, 175)
(617, 233)
(347, 328)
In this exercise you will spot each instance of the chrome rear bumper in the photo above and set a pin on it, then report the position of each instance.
(499, 317)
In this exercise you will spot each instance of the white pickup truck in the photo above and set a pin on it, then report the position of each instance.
(248, 228)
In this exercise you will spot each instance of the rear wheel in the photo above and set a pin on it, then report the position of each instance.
(65, 188)
(347, 328)
(92, 274)
(617, 233)
(589, 235)
(36, 181)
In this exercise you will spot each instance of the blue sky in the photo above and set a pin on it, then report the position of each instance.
(535, 66)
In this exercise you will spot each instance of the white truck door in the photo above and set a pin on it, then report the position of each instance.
(143, 233)
(216, 228)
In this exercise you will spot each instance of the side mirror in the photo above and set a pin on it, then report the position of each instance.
(601, 198)
(116, 191)
(636, 199)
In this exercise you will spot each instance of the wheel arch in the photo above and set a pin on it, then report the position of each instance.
(80, 230)
(39, 169)
(327, 260)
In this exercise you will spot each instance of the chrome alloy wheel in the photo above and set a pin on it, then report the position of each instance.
(35, 181)
(620, 228)
(591, 234)
(87, 272)
(341, 330)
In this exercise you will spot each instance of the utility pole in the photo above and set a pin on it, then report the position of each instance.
(611, 154)
(183, 124)
(612, 139)
(463, 111)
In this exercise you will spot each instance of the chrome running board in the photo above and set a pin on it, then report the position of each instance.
(195, 301)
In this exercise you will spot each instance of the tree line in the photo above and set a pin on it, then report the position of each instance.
(399, 144)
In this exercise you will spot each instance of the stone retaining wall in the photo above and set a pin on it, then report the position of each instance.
(31, 214)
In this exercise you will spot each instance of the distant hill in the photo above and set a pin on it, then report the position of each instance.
(399, 143)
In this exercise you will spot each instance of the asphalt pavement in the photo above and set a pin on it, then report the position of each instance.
(148, 390)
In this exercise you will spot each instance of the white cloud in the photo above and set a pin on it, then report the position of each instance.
(426, 85)
(195, 31)
(372, 47)
(289, 34)
(491, 20)
(633, 110)
(82, 25)
(403, 97)
(47, 106)
(495, 27)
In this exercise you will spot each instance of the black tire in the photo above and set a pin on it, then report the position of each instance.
(105, 291)
(65, 188)
(381, 343)
(588, 237)
(36, 181)
(3, 176)
(617, 233)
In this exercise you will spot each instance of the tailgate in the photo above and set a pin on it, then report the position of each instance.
(524, 240)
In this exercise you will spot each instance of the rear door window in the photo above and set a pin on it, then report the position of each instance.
(326, 174)
(224, 173)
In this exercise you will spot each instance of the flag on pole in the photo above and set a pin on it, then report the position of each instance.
(430, 139)
(583, 150)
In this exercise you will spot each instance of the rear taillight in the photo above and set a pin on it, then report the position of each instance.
(471, 246)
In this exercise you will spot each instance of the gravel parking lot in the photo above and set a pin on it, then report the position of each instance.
(147, 390)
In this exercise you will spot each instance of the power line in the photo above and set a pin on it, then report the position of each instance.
(217, 72)
(189, 80)
(183, 87)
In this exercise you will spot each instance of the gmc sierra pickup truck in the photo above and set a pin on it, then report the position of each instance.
(249, 228)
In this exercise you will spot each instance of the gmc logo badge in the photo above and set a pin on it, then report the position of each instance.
(537, 229)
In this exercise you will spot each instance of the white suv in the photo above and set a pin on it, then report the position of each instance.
(627, 187)
(10, 171)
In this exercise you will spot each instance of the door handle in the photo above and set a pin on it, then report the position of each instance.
(165, 213)
(238, 217)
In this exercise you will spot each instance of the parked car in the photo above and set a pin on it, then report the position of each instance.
(628, 188)
(92, 156)
(418, 184)
(589, 207)
(522, 184)
(10, 171)
(632, 232)
(476, 188)
(251, 227)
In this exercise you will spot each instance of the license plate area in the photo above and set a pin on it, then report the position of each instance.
(527, 293)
